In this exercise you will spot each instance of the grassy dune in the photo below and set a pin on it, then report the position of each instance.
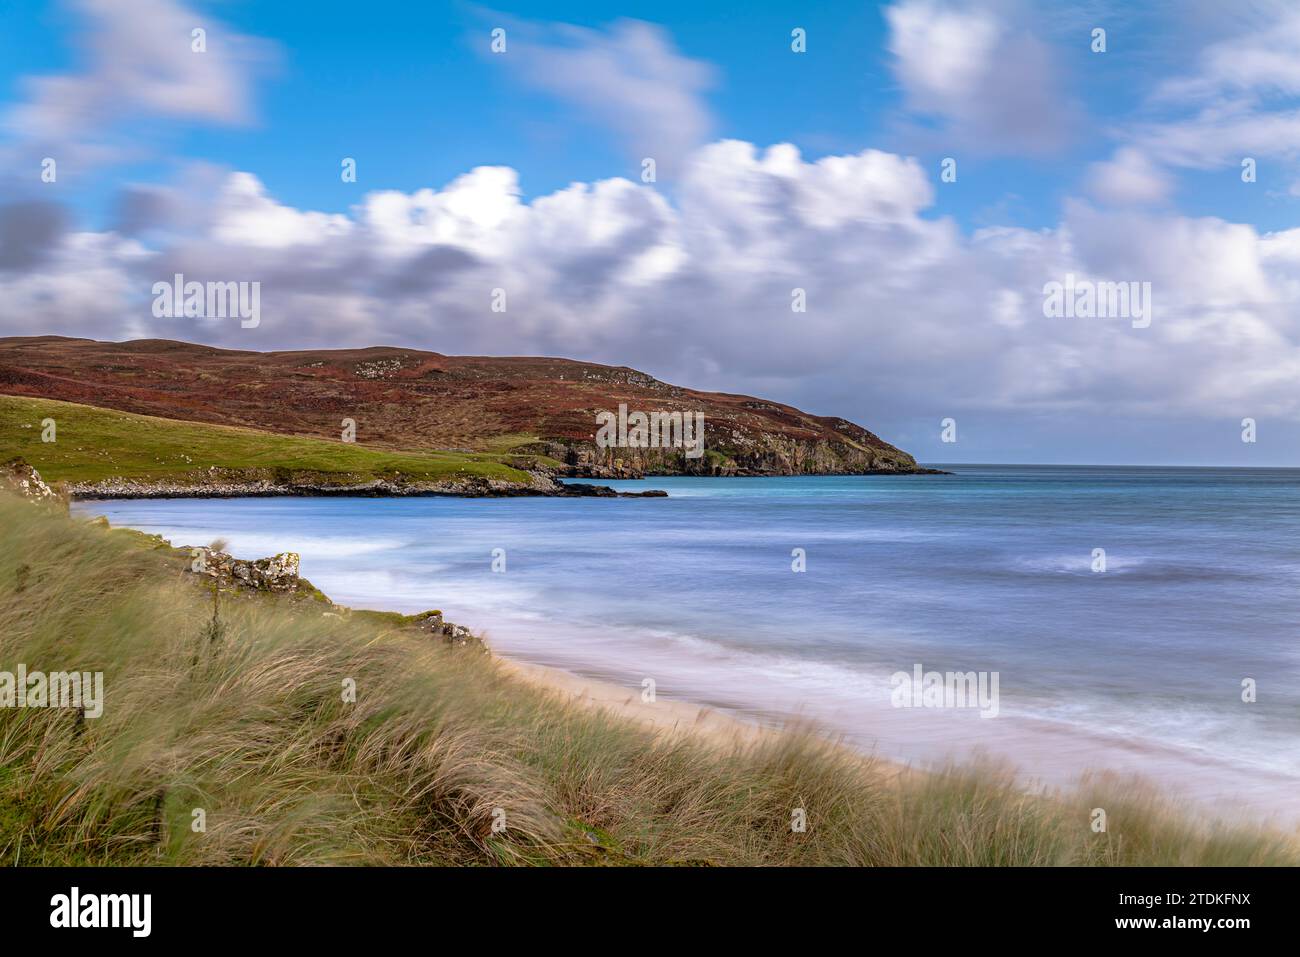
(251, 727)
(94, 444)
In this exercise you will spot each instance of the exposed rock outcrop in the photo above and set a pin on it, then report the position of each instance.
(455, 635)
(728, 453)
(279, 573)
(17, 476)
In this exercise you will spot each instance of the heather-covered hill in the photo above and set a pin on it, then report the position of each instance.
(543, 409)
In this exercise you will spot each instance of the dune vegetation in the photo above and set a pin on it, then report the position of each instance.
(240, 723)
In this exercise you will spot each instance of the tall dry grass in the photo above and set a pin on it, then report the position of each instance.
(251, 727)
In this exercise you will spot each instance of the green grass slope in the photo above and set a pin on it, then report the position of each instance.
(93, 444)
(247, 723)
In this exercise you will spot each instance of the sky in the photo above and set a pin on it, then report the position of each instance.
(799, 160)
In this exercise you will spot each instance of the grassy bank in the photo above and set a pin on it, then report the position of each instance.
(250, 726)
(94, 444)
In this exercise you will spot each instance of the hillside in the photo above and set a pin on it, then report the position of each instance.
(106, 453)
(541, 410)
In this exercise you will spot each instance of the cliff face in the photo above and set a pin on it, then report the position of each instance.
(730, 451)
(542, 412)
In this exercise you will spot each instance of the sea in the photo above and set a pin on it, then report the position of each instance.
(1121, 621)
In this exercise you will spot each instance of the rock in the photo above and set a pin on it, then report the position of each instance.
(279, 573)
(456, 635)
(582, 490)
(17, 476)
(459, 636)
(815, 446)
(430, 621)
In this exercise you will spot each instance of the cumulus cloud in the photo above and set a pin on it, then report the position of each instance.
(992, 87)
(698, 290)
(905, 310)
(1129, 178)
(630, 78)
(246, 216)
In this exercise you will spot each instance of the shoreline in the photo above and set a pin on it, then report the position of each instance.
(1166, 772)
(724, 730)
(543, 486)
(446, 732)
(1047, 754)
(665, 715)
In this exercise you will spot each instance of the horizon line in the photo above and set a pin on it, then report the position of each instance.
(1102, 465)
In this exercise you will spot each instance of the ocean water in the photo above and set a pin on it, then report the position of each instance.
(1137, 668)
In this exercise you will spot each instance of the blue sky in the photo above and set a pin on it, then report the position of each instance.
(477, 170)
(409, 92)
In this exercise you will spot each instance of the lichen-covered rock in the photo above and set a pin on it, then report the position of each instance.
(279, 573)
(17, 476)
(430, 621)
(459, 635)
(456, 635)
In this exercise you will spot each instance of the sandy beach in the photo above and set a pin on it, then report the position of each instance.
(1172, 774)
(667, 715)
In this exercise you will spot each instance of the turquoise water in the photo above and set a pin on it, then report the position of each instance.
(1138, 668)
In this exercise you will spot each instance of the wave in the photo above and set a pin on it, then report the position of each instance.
(259, 544)
(1074, 562)
(1144, 567)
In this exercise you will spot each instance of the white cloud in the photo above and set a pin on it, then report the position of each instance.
(994, 87)
(246, 215)
(905, 311)
(904, 306)
(630, 78)
(1265, 60)
(470, 213)
(1129, 178)
(1238, 99)
(941, 52)
(136, 60)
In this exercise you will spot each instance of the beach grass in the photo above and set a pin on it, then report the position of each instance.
(446, 757)
(93, 444)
